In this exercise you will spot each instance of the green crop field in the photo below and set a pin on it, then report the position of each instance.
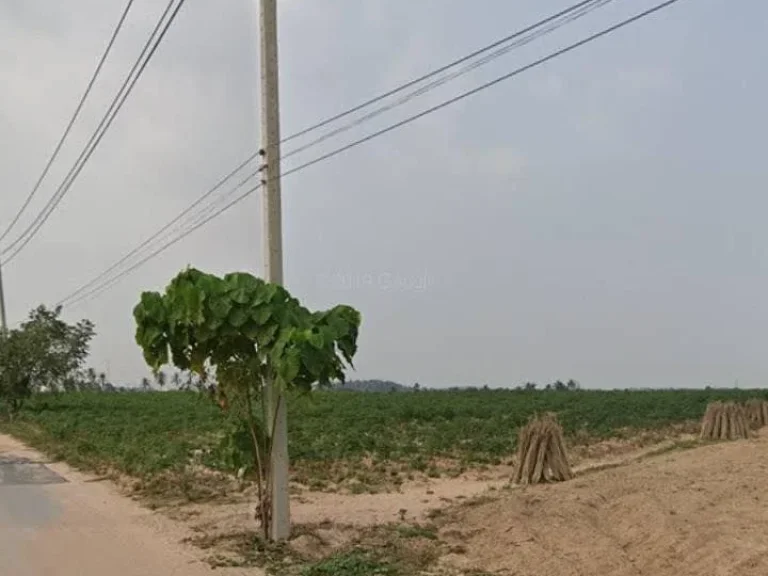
(144, 434)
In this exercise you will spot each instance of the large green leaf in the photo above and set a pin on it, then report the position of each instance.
(150, 335)
(251, 330)
(238, 316)
(316, 340)
(291, 365)
(266, 335)
(314, 361)
(261, 314)
(220, 306)
(243, 288)
(151, 306)
(193, 303)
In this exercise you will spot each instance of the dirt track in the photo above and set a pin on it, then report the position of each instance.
(698, 512)
(82, 528)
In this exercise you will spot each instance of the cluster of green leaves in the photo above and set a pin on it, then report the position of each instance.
(244, 327)
(45, 351)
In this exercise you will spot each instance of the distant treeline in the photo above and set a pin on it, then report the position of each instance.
(373, 386)
(187, 383)
(389, 386)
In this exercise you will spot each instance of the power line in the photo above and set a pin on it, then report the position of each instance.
(480, 88)
(572, 13)
(555, 21)
(106, 121)
(432, 73)
(71, 123)
(378, 133)
(392, 127)
(117, 103)
(202, 218)
(521, 39)
(165, 228)
(99, 289)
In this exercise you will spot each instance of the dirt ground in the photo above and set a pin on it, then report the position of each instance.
(413, 502)
(662, 509)
(695, 512)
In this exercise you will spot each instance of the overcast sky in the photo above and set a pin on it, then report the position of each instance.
(601, 217)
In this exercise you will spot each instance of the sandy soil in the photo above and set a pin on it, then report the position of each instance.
(630, 511)
(683, 513)
(413, 502)
(85, 528)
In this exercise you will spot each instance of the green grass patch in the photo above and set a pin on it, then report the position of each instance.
(354, 563)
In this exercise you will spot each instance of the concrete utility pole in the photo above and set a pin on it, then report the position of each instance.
(3, 319)
(273, 254)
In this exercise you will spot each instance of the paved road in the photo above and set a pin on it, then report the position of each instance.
(54, 521)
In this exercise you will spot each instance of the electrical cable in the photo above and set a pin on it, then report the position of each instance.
(573, 12)
(128, 85)
(554, 23)
(435, 72)
(376, 134)
(71, 123)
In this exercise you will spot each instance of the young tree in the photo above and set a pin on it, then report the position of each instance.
(161, 379)
(44, 352)
(15, 380)
(245, 334)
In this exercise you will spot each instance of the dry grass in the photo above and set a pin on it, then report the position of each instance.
(541, 453)
(724, 421)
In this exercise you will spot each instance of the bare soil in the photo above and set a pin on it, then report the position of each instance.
(682, 513)
(635, 507)
(329, 522)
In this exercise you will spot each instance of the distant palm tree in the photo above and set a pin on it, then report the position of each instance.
(102, 380)
(161, 379)
(145, 385)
